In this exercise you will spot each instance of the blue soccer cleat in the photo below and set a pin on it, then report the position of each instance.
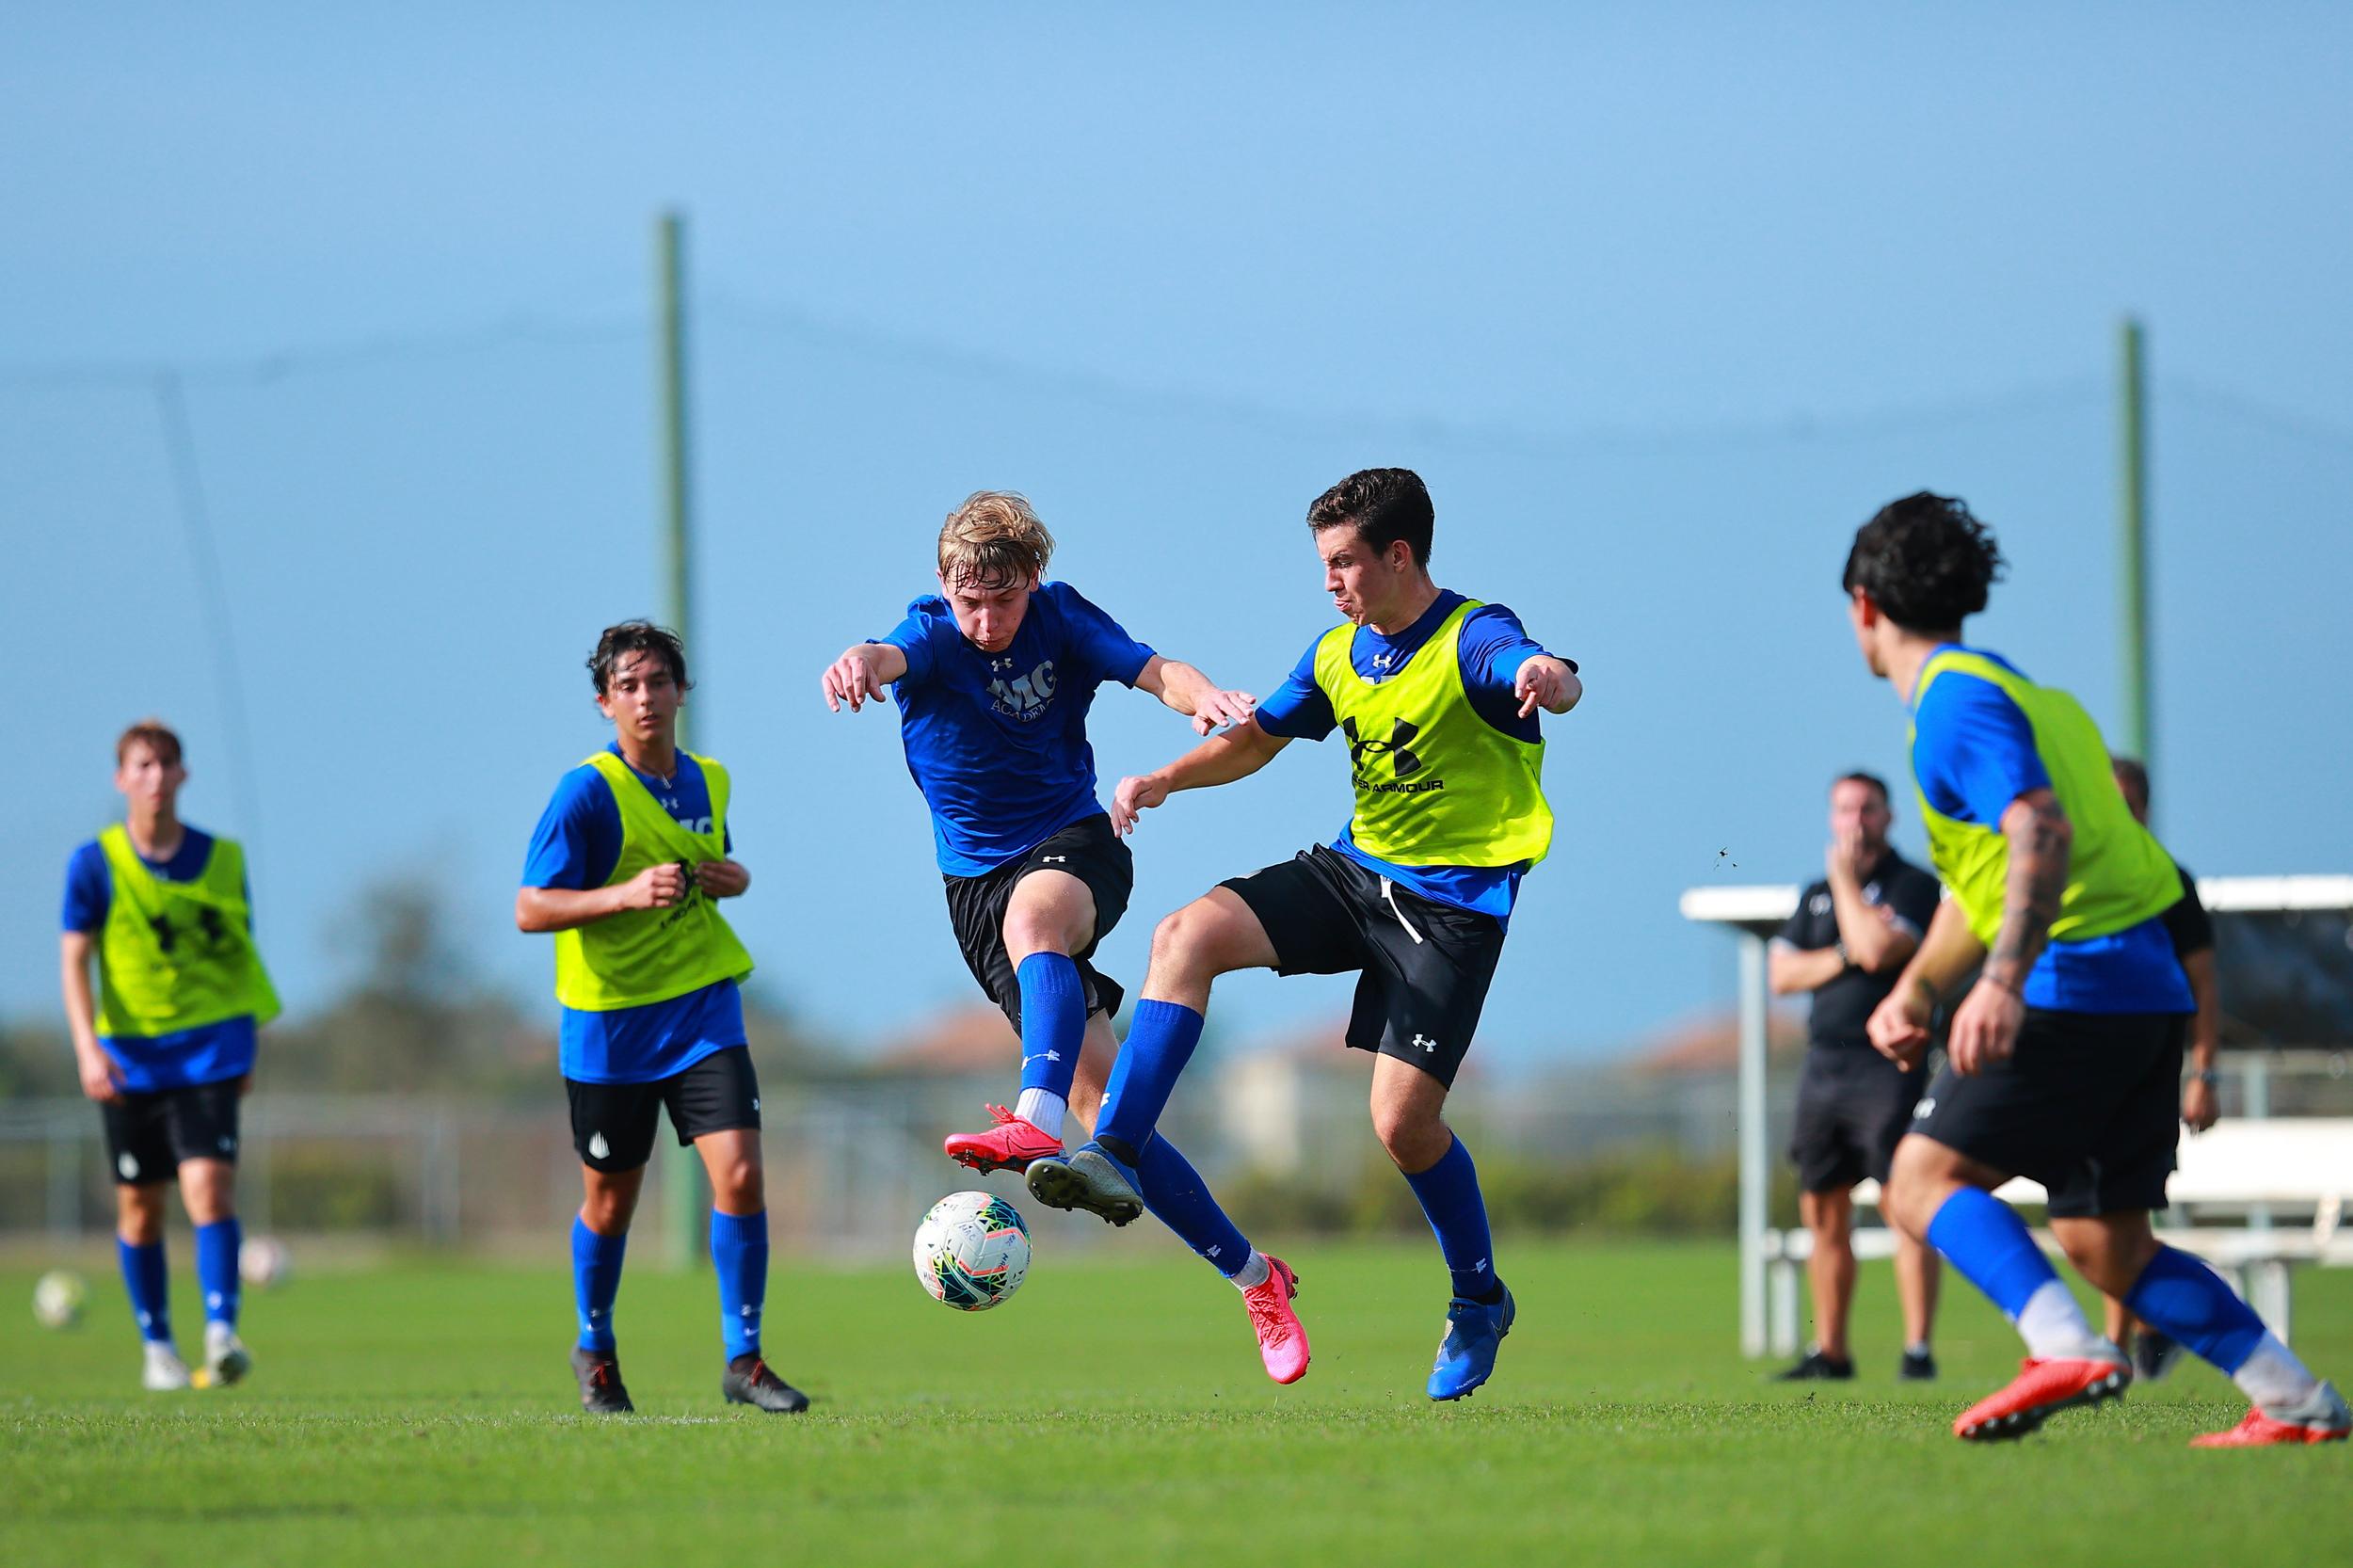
(1466, 1356)
(1090, 1177)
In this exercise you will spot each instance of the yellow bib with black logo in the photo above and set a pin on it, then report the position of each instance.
(1437, 784)
(177, 955)
(2118, 874)
(647, 956)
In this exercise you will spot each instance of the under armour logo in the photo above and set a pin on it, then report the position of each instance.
(598, 1148)
(1001, 665)
(1400, 730)
(1424, 1043)
(1053, 859)
(1926, 1109)
(1383, 661)
(1042, 1056)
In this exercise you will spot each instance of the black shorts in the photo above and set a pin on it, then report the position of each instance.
(614, 1124)
(1088, 850)
(1425, 966)
(2089, 1105)
(1853, 1106)
(149, 1134)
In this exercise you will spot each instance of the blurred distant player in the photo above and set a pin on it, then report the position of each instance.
(2063, 1062)
(168, 1049)
(1849, 937)
(626, 868)
(1436, 696)
(993, 677)
(2155, 1354)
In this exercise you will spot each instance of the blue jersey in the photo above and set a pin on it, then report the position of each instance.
(149, 1062)
(997, 742)
(576, 845)
(1491, 650)
(1973, 753)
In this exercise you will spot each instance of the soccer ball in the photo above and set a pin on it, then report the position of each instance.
(971, 1251)
(58, 1297)
(263, 1263)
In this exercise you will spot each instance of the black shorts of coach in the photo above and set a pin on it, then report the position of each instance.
(1854, 1106)
(1088, 850)
(1422, 967)
(149, 1134)
(614, 1124)
(2089, 1104)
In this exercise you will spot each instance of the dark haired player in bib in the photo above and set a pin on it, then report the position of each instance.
(1437, 696)
(993, 678)
(2063, 1063)
(626, 868)
(167, 1050)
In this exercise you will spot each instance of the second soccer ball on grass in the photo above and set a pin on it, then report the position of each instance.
(971, 1251)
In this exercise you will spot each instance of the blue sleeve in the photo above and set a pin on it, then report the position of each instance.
(1299, 711)
(1491, 650)
(1973, 750)
(89, 890)
(1098, 642)
(913, 637)
(578, 841)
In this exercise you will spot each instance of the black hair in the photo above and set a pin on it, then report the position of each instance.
(2132, 773)
(1926, 560)
(1385, 504)
(1859, 776)
(637, 637)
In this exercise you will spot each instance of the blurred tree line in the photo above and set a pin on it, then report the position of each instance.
(417, 1017)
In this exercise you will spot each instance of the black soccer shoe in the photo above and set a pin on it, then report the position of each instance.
(2155, 1354)
(602, 1391)
(1918, 1366)
(1818, 1367)
(748, 1380)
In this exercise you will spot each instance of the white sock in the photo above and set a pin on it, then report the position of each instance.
(2273, 1378)
(1252, 1274)
(1918, 1347)
(1041, 1109)
(2054, 1328)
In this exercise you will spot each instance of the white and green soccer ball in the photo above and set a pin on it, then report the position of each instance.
(263, 1262)
(58, 1298)
(971, 1251)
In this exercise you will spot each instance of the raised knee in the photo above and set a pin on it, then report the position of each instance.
(738, 1186)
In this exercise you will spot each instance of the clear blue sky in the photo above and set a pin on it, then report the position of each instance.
(1662, 301)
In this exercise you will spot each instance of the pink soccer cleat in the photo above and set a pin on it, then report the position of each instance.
(2322, 1419)
(2040, 1391)
(1008, 1146)
(1282, 1340)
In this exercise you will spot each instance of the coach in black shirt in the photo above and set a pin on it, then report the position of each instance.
(1850, 939)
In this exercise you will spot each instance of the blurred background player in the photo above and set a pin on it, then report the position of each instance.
(2154, 1353)
(2063, 1062)
(1436, 696)
(626, 868)
(168, 1049)
(993, 677)
(1849, 937)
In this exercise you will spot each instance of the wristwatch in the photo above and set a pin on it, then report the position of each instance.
(2203, 1074)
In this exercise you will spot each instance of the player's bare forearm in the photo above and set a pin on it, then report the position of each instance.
(2205, 1030)
(2040, 842)
(1222, 758)
(1947, 953)
(1185, 690)
(860, 674)
(540, 910)
(81, 1010)
(1789, 970)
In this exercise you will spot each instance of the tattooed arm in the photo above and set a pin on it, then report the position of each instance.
(1986, 1025)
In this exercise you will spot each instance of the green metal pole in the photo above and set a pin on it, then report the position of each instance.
(2132, 517)
(688, 1200)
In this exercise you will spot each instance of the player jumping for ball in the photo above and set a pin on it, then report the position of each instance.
(626, 868)
(1436, 696)
(993, 677)
(168, 1049)
(2064, 1060)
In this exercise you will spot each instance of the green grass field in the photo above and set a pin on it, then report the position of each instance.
(1114, 1410)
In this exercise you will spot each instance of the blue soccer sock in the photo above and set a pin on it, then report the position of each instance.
(150, 1284)
(1450, 1199)
(216, 1247)
(1160, 1043)
(595, 1281)
(1053, 1028)
(739, 1249)
(1990, 1245)
(1179, 1199)
(2181, 1296)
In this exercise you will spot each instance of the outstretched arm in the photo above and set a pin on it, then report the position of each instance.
(1194, 695)
(539, 909)
(1545, 682)
(1238, 753)
(860, 674)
